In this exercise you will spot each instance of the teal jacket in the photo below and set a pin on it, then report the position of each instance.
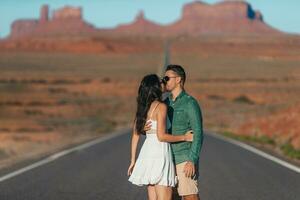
(185, 114)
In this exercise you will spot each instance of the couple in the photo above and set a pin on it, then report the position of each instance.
(174, 136)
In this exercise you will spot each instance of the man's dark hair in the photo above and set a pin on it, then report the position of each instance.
(179, 71)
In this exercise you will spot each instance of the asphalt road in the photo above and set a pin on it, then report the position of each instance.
(227, 172)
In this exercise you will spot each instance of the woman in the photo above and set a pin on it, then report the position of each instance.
(154, 166)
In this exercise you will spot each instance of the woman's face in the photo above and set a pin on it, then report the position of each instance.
(163, 87)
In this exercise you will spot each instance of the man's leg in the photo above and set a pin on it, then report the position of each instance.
(191, 197)
(187, 186)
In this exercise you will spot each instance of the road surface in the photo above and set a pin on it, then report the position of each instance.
(227, 172)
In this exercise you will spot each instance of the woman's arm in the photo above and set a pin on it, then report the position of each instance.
(134, 142)
(161, 127)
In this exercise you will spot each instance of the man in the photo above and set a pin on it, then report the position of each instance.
(185, 114)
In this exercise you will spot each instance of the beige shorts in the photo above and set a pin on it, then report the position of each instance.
(186, 185)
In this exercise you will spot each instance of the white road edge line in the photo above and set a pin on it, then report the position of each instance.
(60, 154)
(256, 151)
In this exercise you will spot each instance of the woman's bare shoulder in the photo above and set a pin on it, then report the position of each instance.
(162, 106)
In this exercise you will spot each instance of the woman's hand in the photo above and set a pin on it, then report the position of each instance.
(130, 168)
(188, 136)
(147, 126)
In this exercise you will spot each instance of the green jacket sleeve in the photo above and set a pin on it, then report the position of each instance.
(195, 120)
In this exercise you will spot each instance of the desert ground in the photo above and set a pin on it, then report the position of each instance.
(247, 89)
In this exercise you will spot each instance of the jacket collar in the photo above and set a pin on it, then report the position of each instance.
(181, 94)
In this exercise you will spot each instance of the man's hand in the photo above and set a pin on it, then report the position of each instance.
(189, 169)
(147, 126)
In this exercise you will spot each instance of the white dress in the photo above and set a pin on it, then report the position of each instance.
(154, 164)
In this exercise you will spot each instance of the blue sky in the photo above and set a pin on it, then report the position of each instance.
(282, 14)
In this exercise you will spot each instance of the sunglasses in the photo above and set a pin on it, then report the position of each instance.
(167, 78)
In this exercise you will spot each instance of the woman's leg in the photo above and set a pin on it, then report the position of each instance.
(151, 192)
(163, 192)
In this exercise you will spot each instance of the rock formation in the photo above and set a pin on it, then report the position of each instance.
(228, 17)
(139, 26)
(44, 14)
(224, 18)
(65, 21)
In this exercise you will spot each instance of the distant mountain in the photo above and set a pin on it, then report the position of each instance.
(197, 18)
(228, 17)
(65, 21)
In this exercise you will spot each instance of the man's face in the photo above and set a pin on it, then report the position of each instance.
(173, 82)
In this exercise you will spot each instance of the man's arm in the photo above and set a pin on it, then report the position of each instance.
(195, 119)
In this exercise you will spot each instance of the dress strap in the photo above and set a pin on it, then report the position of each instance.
(153, 110)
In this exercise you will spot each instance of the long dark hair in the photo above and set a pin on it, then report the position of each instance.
(149, 91)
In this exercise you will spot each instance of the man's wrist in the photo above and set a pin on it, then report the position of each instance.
(191, 161)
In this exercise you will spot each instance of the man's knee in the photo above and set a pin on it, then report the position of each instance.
(191, 197)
